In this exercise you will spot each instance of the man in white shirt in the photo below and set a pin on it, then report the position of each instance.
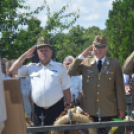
(3, 115)
(49, 82)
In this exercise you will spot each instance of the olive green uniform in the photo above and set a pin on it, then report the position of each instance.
(104, 90)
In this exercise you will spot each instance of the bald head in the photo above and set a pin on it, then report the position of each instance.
(3, 65)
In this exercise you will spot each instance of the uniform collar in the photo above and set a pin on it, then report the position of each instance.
(50, 63)
(103, 59)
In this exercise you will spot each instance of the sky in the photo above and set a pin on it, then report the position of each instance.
(92, 12)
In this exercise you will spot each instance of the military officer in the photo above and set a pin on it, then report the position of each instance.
(102, 80)
(49, 82)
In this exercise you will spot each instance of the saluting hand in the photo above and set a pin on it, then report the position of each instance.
(87, 51)
(29, 53)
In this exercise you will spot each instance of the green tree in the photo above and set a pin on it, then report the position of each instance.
(76, 41)
(10, 22)
(120, 29)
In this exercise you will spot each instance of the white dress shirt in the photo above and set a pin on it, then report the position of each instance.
(4, 76)
(126, 79)
(47, 83)
(76, 87)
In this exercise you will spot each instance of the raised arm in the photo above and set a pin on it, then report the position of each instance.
(18, 63)
(76, 66)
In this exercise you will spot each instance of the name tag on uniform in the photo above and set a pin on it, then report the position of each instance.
(54, 73)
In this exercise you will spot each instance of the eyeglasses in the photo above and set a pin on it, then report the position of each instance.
(67, 63)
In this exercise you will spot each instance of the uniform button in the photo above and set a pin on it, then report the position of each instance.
(88, 76)
(114, 99)
(97, 100)
(109, 78)
(98, 78)
(98, 86)
(98, 93)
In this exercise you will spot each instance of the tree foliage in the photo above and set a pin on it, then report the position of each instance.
(120, 27)
(11, 20)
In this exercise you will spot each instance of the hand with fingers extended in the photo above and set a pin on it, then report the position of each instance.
(29, 53)
(87, 51)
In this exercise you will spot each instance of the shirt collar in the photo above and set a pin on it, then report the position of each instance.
(103, 59)
(50, 63)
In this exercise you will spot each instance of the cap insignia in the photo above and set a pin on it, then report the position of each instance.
(42, 39)
(100, 38)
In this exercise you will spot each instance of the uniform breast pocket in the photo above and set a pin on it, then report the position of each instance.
(34, 78)
(110, 80)
(54, 77)
(88, 79)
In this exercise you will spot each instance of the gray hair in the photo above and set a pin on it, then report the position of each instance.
(68, 58)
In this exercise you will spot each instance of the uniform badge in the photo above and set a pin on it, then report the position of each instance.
(107, 63)
(105, 67)
(89, 71)
(54, 71)
(108, 72)
(34, 72)
(100, 38)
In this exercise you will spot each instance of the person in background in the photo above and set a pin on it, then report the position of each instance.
(25, 87)
(129, 87)
(128, 69)
(49, 83)
(76, 87)
(9, 63)
(3, 65)
(3, 115)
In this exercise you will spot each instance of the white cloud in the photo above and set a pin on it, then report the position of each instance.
(91, 17)
(92, 12)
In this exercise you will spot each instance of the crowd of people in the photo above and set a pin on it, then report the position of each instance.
(94, 83)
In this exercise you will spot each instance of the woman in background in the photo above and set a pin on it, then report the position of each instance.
(76, 88)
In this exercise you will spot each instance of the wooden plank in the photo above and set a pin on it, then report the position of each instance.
(15, 123)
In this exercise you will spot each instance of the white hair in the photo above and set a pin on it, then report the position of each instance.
(68, 58)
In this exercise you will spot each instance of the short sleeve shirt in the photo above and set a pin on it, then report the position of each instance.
(47, 83)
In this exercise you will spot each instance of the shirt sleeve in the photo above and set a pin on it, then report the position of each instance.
(66, 80)
(80, 57)
(23, 70)
(126, 79)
